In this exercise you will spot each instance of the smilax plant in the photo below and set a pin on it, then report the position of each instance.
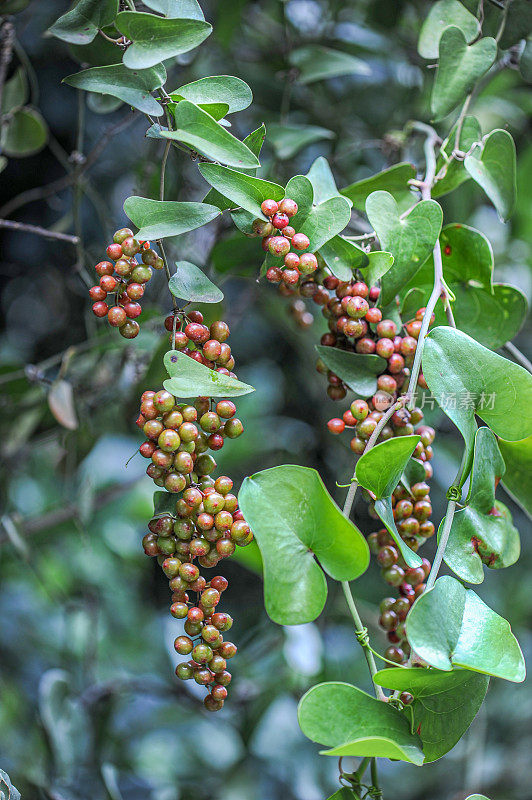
(412, 310)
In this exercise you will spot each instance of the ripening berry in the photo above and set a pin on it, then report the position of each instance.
(132, 310)
(291, 260)
(336, 425)
(373, 315)
(359, 409)
(135, 291)
(279, 246)
(288, 206)
(114, 251)
(300, 241)
(308, 262)
(104, 268)
(183, 645)
(274, 275)
(269, 208)
(100, 309)
(386, 329)
(289, 232)
(219, 330)
(395, 362)
(233, 428)
(413, 328)
(262, 228)
(97, 293)
(365, 345)
(108, 283)
(212, 349)
(290, 276)
(116, 316)
(384, 348)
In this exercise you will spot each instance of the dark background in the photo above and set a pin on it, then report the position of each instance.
(89, 704)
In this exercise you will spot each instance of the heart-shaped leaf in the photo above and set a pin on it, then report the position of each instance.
(188, 378)
(322, 180)
(441, 15)
(410, 239)
(158, 38)
(343, 257)
(197, 129)
(352, 723)
(445, 703)
(518, 476)
(81, 24)
(358, 370)
(294, 520)
(495, 171)
(26, 133)
(190, 283)
(158, 219)
(226, 89)
(455, 173)
(460, 66)
(467, 379)
(393, 180)
(131, 86)
(449, 626)
(316, 63)
(287, 140)
(325, 221)
(482, 532)
(243, 190)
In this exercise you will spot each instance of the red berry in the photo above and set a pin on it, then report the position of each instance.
(100, 308)
(280, 221)
(133, 310)
(135, 291)
(279, 246)
(104, 268)
(288, 207)
(108, 283)
(300, 241)
(308, 263)
(336, 425)
(116, 316)
(274, 275)
(197, 333)
(288, 231)
(114, 251)
(374, 315)
(374, 293)
(291, 260)
(97, 293)
(269, 207)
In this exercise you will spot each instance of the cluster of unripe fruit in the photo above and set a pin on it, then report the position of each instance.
(281, 240)
(124, 280)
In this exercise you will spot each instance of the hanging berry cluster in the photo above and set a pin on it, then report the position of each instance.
(124, 281)
(206, 524)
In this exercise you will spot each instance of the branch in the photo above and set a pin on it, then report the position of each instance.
(7, 38)
(38, 231)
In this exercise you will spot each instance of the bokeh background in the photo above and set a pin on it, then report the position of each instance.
(89, 706)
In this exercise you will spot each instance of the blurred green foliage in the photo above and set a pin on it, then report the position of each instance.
(90, 707)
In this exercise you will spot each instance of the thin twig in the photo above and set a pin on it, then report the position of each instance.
(36, 229)
(518, 356)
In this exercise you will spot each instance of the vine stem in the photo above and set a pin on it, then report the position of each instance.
(453, 496)
(518, 356)
(161, 197)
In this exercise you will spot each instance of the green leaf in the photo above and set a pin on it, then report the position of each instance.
(449, 626)
(322, 180)
(443, 14)
(358, 370)
(99, 53)
(482, 383)
(325, 221)
(287, 140)
(445, 703)
(15, 94)
(102, 103)
(518, 476)
(158, 219)
(157, 38)
(385, 512)
(518, 23)
(131, 86)
(190, 283)
(26, 133)
(227, 89)
(197, 129)
(190, 379)
(316, 63)
(467, 256)
(342, 794)
(13, 6)
(460, 66)
(243, 190)
(379, 263)
(491, 319)
(294, 520)
(80, 25)
(393, 180)
(254, 141)
(380, 469)
(495, 171)
(455, 173)
(410, 239)
(477, 797)
(342, 257)
(163, 504)
(414, 472)
(300, 189)
(482, 532)
(176, 8)
(352, 723)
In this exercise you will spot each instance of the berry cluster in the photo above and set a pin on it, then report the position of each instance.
(124, 280)
(206, 345)
(281, 240)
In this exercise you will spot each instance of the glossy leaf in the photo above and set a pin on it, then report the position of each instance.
(456, 174)
(188, 378)
(197, 129)
(254, 142)
(325, 221)
(26, 133)
(176, 8)
(385, 512)
(482, 383)
(287, 140)
(226, 89)
(131, 86)
(351, 723)
(158, 38)
(300, 189)
(190, 283)
(410, 239)
(482, 532)
(243, 190)
(80, 25)
(295, 520)
(322, 180)
(380, 469)
(495, 171)
(358, 370)
(449, 626)
(445, 703)
(490, 318)
(158, 219)
(441, 15)
(316, 63)
(518, 476)
(460, 66)
(467, 256)
(342, 257)
(393, 180)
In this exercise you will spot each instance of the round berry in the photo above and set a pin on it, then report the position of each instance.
(269, 208)
(300, 241)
